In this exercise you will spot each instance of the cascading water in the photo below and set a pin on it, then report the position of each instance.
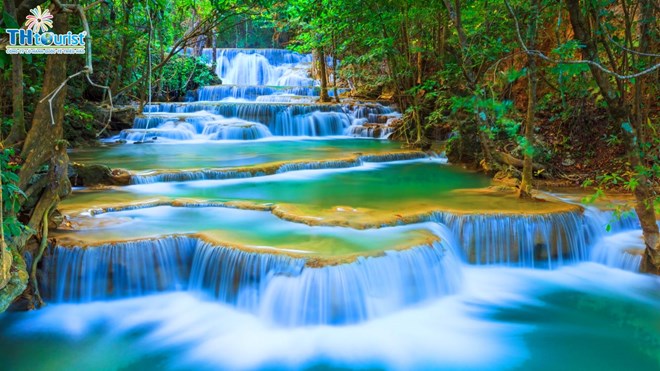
(273, 67)
(531, 240)
(266, 92)
(257, 282)
(118, 270)
(350, 291)
(206, 174)
(190, 303)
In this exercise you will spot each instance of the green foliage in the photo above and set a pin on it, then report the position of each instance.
(512, 74)
(5, 126)
(186, 73)
(122, 42)
(11, 194)
(79, 126)
(612, 140)
(8, 22)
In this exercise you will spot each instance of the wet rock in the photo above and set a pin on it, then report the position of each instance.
(5, 266)
(382, 119)
(95, 174)
(55, 219)
(120, 177)
(370, 130)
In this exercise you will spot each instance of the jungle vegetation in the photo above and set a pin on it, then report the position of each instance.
(524, 90)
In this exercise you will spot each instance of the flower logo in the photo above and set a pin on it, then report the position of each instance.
(39, 21)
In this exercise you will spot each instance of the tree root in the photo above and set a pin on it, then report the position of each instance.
(506, 158)
(37, 259)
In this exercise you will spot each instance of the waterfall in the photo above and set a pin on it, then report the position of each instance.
(118, 270)
(257, 282)
(367, 288)
(235, 130)
(545, 240)
(184, 121)
(274, 67)
(623, 250)
(265, 92)
(221, 92)
(184, 176)
(210, 174)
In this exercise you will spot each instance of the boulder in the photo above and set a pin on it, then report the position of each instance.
(55, 219)
(94, 174)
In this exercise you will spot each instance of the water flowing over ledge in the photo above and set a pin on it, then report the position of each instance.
(323, 290)
(255, 92)
(270, 169)
(545, 240)
(277, 67)
(278, 116)
(258, 282)
(266, 92)
(249, 121)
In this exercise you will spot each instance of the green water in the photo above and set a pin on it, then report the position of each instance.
(253, 229)
(382, 187)
(220, 154)
(369, 195)
(579, 317)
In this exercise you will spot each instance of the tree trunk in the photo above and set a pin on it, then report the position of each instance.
(39, 145)
(17, 133)
(525, 190)
(651, 260)
(119, 63)
(334, 69)
(161, 78)
(5, 254)
(214, 62)
(43, 145)
(442, 38)
(471, 138)
(465, 61)
(324, 76)
(123, 50)
(620, 113)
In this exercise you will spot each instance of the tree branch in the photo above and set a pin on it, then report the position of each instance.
(582, 61)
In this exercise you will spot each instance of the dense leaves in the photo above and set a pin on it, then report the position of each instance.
(11, 194)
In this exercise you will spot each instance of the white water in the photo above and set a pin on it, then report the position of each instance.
(620, 250)
(258, 282)
(208, 307)
(283, 290)
(265, 92)
(502, 318)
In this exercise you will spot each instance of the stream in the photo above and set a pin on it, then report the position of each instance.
(264, 230)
